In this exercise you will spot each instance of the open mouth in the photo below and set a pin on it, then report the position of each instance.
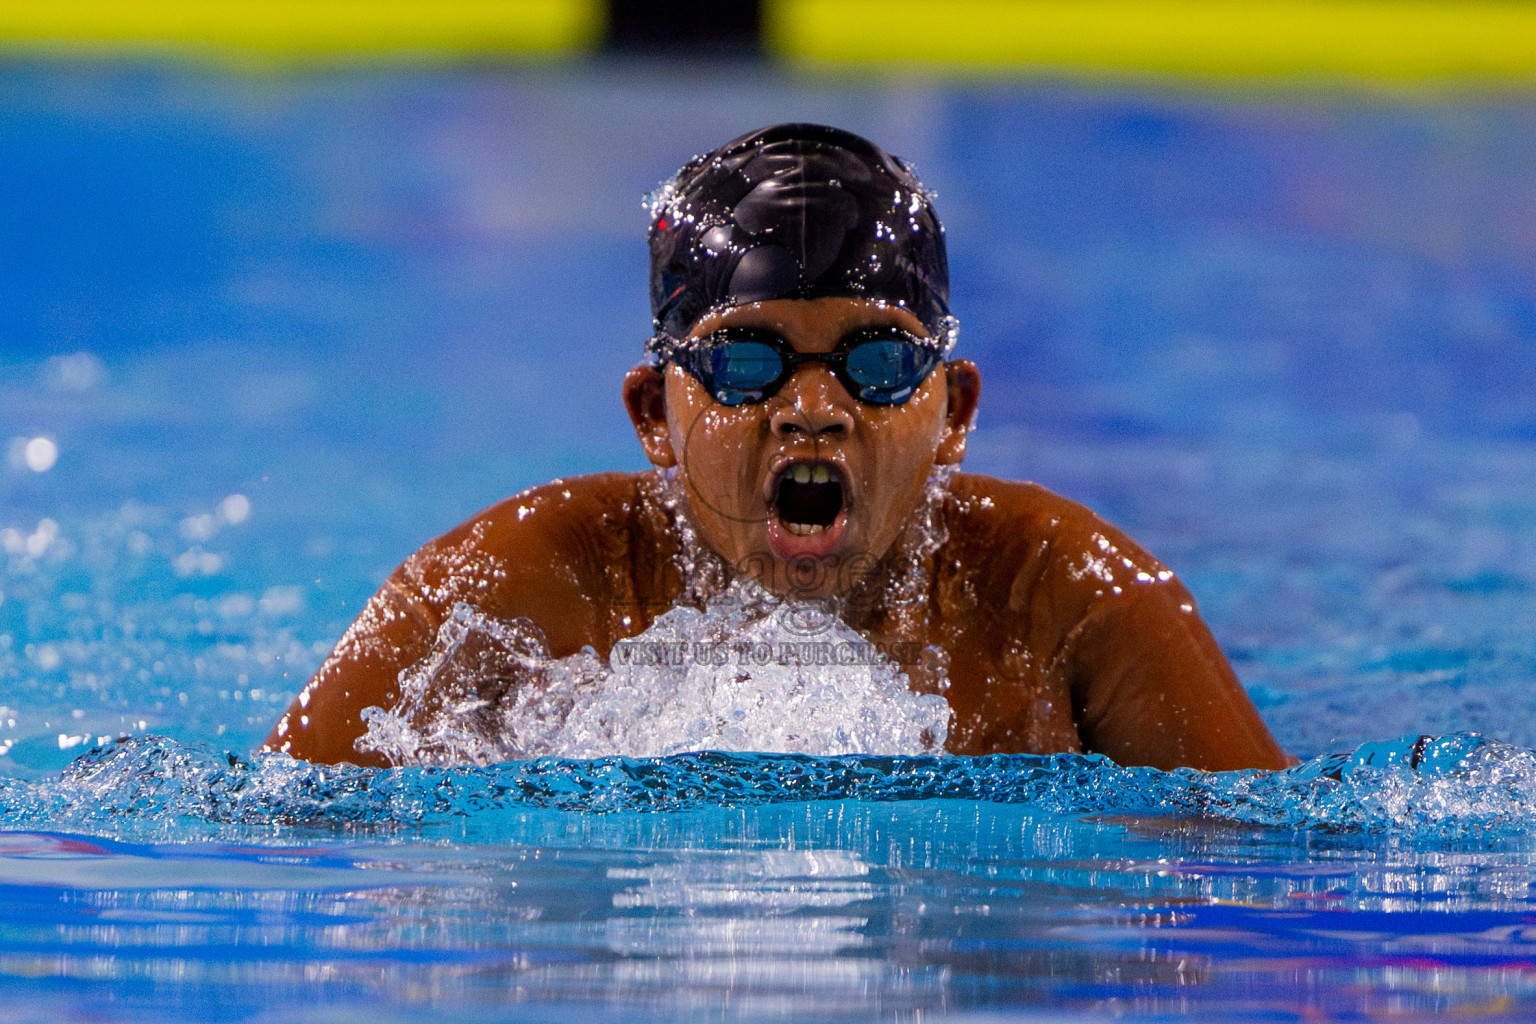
(809, 497)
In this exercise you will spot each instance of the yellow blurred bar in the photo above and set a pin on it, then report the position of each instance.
(280, 27)
(1404, 40)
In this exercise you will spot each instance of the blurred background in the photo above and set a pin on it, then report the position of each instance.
(286, 289)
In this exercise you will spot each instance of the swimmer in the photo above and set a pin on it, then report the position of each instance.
(806, 423)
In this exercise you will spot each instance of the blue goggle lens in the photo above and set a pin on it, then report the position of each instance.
(740, 370)
(888, 369)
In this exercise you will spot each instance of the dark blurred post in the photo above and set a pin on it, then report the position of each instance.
(702, 28)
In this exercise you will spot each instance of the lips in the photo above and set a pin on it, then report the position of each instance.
(809, 502)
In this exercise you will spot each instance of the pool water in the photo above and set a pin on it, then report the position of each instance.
(263, 334)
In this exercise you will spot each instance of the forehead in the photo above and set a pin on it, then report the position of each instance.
(811, 321)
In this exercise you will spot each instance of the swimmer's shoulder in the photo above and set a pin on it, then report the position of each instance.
(564, 512)
(1148, 683)
(1040, 544)
(1015, 512)
(552, 553)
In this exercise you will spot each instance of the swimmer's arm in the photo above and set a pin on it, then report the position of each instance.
(521, 558)
(1115, 629)
(396, 629)
(1151, 686)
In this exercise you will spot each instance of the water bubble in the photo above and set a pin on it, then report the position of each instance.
(78, 372)
(235, 508)
(233, 606)
(199, 528)
(35, 544)
(197, 562)
(281, 601)
(40, 454)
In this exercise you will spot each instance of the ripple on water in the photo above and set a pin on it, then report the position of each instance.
(1457, 786)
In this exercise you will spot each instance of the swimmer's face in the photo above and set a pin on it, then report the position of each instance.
(808, 487)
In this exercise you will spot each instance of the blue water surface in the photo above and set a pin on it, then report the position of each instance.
(280, 328)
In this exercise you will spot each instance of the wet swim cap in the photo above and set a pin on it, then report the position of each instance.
(796, 211)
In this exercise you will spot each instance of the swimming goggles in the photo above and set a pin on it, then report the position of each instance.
(742, 365)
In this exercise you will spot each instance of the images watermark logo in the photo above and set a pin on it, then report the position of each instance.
(680, 654)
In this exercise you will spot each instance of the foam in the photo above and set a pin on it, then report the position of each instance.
(746, 672)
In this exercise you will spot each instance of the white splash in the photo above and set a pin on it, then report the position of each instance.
(746, 673)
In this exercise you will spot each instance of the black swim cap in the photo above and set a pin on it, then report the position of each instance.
(796, 211)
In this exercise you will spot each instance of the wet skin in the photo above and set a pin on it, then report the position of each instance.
(1060, 633)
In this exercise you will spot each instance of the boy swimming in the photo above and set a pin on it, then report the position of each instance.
(806, 424)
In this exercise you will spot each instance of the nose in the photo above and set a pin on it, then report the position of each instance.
(812, 402)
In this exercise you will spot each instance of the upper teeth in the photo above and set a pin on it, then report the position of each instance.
(803, 473)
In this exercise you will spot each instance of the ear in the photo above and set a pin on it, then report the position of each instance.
(964, 392)
(645, 399)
